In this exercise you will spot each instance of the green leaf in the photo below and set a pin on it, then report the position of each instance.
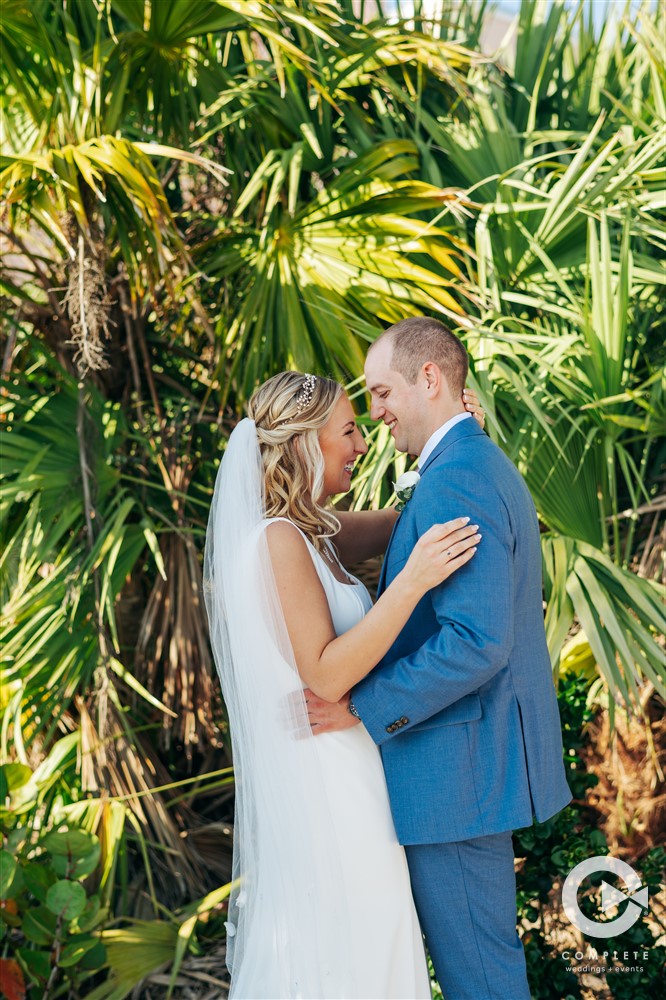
(12, 777)
(39, 963)
(75, 853)
(78, 867)
(128, 677)
(66, 899)
(75, 950)
(7, 871)
(153, 545)
(95, 958)
(133, 952)
(39, 877)
(39, 925)
(69, 843)
(90, 916)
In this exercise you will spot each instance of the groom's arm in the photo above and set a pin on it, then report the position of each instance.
(363, 534)
(474, 610)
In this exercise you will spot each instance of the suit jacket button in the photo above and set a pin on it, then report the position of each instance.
(389, 729)
(404, 720)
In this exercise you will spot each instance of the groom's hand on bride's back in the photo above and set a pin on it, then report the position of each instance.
(327, 716)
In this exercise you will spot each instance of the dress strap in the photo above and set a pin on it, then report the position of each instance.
(317, 557)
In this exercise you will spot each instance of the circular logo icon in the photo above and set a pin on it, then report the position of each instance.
(610, 897)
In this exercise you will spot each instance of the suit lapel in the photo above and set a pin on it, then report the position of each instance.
(382, 576)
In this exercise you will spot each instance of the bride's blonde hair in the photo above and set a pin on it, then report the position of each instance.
(289, 410)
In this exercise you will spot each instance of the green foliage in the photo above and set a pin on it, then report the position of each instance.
(49, 652)
(649, 984)
(564, 232)
(52, 910)
(300, 267)
(200, 194)
(547, 974)
(141, 947)
(551, 849)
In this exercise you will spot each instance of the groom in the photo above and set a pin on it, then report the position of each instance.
(463, 705)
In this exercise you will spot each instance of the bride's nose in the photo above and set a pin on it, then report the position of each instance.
(360, 446)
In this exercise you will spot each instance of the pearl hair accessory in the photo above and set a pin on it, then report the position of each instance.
(304, 397)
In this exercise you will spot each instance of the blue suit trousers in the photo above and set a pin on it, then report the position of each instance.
(465, 895)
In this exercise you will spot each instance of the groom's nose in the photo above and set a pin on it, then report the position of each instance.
(376, 409)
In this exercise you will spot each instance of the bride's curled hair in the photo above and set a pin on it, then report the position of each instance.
(289, 410)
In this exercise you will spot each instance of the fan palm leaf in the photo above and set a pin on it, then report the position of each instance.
(299, 266)
(106, 176)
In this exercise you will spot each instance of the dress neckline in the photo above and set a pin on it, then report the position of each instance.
(351, 580)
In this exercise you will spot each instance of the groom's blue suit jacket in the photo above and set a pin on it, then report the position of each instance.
(463, 705)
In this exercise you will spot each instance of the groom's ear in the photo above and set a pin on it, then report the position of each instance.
(432, 377)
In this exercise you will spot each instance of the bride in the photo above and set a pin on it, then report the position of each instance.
(322, 907)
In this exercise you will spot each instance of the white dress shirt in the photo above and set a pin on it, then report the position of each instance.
(435, 438)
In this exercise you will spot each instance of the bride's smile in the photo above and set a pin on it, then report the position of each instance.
(341, 443)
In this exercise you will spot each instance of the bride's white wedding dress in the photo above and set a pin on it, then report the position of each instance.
(387, 958)
(320, 907)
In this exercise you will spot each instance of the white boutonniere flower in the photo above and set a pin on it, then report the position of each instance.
(404, 488)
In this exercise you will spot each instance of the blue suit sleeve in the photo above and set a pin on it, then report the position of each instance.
(473, 609)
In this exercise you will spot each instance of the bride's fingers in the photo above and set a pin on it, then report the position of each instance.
(471, 401)
(442, 530)
(479, 415)
(473, 406)
(450, 531)
(459, 534)
(455, 549)
(460, 560)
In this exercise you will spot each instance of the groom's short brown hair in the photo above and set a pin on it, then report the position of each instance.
(420, 339)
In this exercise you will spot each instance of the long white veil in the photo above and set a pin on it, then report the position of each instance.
(288, 926)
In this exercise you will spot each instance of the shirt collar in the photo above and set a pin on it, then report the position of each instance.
(435, 438)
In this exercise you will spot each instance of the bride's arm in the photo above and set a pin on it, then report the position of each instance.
(363, 534)
(330, 665)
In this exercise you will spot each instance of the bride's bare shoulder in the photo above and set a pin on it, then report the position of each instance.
(295, 574)
(286, 543)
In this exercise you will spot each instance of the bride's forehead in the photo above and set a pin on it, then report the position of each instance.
(343, 410)
(341, 414)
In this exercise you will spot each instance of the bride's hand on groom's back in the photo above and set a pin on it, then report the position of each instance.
(473, 406)
(328, 716)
